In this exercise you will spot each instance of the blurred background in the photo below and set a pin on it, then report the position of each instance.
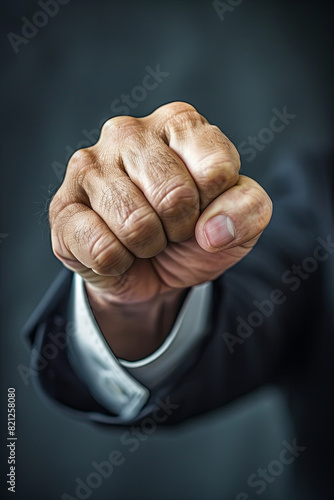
(63, 74)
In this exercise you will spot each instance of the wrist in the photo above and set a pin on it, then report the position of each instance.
(135, 330)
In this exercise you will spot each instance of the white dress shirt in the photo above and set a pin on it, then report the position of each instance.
(123, 387)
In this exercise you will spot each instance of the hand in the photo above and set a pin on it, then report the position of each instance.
(156, 205)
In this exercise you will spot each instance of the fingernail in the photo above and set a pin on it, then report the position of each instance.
(219, 231)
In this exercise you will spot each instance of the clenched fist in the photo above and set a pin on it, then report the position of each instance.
(155, 206)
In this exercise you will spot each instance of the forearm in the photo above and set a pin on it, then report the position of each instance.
(134, 331)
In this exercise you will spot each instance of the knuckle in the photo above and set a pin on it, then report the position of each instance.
(59, 241)
(141, 231)
(176, 107)
(120, 127)
(63, 208)
(53, 209)
(177, 201)
(258, 202)
(56, 209)
(80, 161)
(217, 137)
(103, 251)
(216, 173)
(136, 224)
(267, 208)
(58, 248)
(180, 116)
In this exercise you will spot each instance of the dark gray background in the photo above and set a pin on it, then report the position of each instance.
(264, 55)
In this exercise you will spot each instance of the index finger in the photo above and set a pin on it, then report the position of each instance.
(211, 158)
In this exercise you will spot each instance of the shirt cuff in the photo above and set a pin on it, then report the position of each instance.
(123, 387)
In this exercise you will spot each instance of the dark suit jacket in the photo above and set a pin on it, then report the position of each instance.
(286, 315)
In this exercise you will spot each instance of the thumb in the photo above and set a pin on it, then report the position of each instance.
(236, 217)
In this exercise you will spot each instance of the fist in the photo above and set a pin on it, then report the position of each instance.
(157, 204)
